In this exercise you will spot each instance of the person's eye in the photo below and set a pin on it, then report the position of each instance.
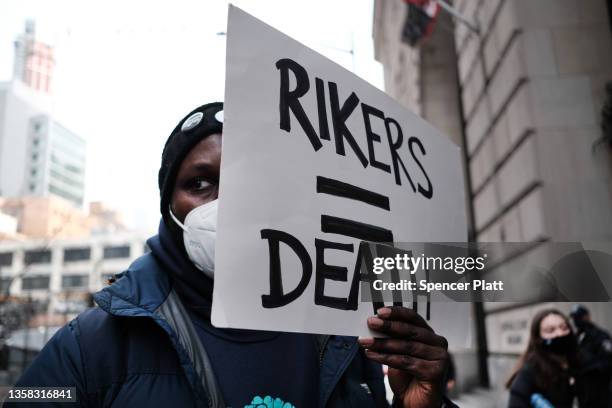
(200, 184)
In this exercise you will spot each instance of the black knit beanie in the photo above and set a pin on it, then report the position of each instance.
(199, 123)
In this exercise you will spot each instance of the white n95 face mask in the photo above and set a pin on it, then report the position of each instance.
(199, 236)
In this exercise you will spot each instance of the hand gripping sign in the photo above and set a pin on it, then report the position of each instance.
(315, 161)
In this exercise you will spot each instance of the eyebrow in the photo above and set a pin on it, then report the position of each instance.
(202, 166)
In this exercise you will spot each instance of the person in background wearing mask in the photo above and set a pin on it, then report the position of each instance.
(595, 350)
(151, 343)
(546, 369)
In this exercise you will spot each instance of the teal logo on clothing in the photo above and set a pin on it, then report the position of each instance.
(268, 402)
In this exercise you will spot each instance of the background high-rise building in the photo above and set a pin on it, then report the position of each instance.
(55, 161)
(523, 97)
(34, 60)
(38, 155)
(42, 162)
(18, 105)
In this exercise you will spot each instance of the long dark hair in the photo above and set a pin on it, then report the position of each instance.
(548, 371)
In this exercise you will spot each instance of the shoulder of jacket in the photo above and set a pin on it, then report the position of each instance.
(112, 346)
(96, 327)
(137, 291)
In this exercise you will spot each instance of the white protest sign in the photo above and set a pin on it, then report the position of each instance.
(314, 161)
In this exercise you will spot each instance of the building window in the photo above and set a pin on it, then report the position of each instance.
(33, 172)
(34, 156)
(77, 254)
(6, 259)
(122, 251)
(37, 256)
(75, 281)
(38, 126)
(4, 285)
(35, 282)
(32, 187)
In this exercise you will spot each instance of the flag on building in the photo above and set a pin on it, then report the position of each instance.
(420, 20)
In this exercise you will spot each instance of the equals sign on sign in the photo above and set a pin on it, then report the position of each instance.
(330, 224)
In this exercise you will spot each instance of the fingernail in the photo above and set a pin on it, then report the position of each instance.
(375, 322)
(384, 312)
(365, 341)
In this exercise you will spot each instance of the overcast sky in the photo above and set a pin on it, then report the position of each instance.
(128, 71)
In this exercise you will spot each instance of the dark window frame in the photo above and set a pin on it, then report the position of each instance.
(36, 279)
(6, 255)
(72, 254)
(83, 280)
(116, 252)
(4, 284)
(37, 256)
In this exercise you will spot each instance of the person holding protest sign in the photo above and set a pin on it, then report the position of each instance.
(151, 342)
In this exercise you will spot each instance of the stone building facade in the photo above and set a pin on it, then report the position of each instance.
(523, 97)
